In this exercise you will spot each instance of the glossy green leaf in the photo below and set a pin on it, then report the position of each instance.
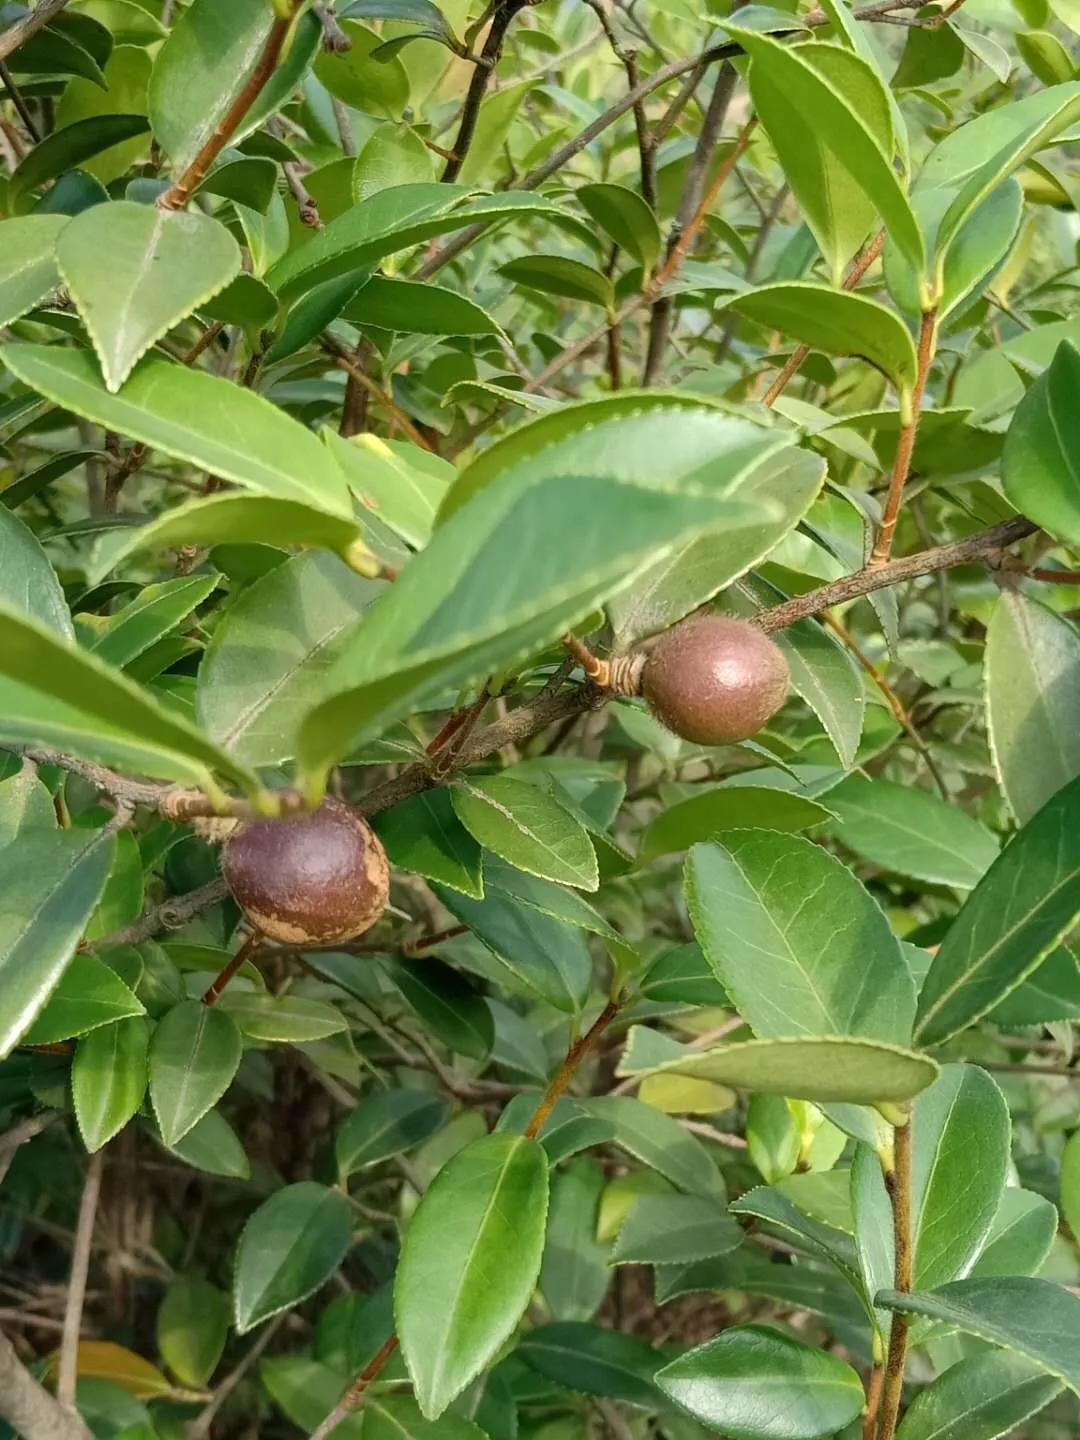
(960, 1155)
(593, 1361)
(88, 996)
(1034, 1319)
(542, 956)
(392, 220)
(225, 519)
(285, 1019)
(415, 309)
(52, 881)
(451, 1318)
(447, 1004)
(837, 99)
(151, 615)
(211, 1145)
(550, 899)
(911, 832)
(675, 1229)
(28, 265)
(659, 1142)
(727, 808)
(47, 670)
(203, 65)
(201, 418)
(385, 1124)
(527, 828)
(979, 1399)
(28, 583)
(1020, 1237)
(134, 270)
(424, 835)
(557, 275)
(108, 1079)
(1015, 916)
(766, 912)
(268, 660)
(836, 321)
(1039, 469)
(810, 1392)
(192, 1327)
(193, 1058)
(66, 148)
(378, 85)
(576, 1272)
(787, 483)
(291, 1246)
(626, 217)
(825, 1068)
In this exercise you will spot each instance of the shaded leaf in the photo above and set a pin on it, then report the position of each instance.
(291, 1246)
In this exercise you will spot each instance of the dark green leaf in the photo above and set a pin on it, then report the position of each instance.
(447, 1004)
(979, 1399)
(425, 836)
(66, 148)
(193, 1058)
(289, 1248)
(575, 1273)
(108, 1079)
(527, 828)
(387, 1124)
(594, 1361)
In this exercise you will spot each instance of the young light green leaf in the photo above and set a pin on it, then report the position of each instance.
(451, 1318)
(820, 1068)
(980, 1398)
(1034, 1319)
(289, 1248)
(108, 1079)
(28, 263)
(387, 1124)
(1070, 1180)
(194, 416)
(576, 1272)
(527, 828)
(377, 84)
(193, 1058)
(836, 321)
(911, 832)
(810, 1392)
(134, 270)
(1015, 916)
(767, 913)
(25, 805)
(401, 483)
(192, 1328)
(267, 662)
(52, 881)
(1039, 469)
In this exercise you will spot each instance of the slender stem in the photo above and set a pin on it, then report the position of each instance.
(594, 668)
(76, 1295)
(898, 1184)
(470, 109)
(352, 1396)
(16, 97)
(335, 40)
(169, 915)
(1055, 577)
(905, 445)
(306, 204)
(873, 1401)
(199, 1428)
(859, 266)
(246, 952)
(426, 942)
(909, 567)
(352, 369)
(179, 192)
(24, 29)
(566, 1071)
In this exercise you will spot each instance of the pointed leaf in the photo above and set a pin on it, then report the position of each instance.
(108, 1079)
(1017, 914)
(675, 1229)
(721, 1384)
(594, 1361)
(659, 1142)
(28, 263)
(452, 1316)
(626, 217)
(193, 1058)
(67, 147)
(89, 995)
(52, 881)
(1039, 467)
(387, 1124)
(527, 828)
(28, 582)
(731, 807)
(795, 939)
(979, 1399)
(576, 1273)
(424, 835)
(134, 270)
(289, 1248)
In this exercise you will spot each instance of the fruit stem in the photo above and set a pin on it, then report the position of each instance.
(218, 984)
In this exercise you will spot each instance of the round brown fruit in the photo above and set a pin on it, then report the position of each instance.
(715, 680)
(315, 879)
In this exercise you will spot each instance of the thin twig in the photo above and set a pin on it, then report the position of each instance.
(76, 1295)
(905, 445)
(171, 914)
(16, 97)
(247, 951)
(355, 1392)
(502, 15)
(334, 38)
(345, 362)
(306, 204)
(898, 1184)
(23, 30)
(199, 1428)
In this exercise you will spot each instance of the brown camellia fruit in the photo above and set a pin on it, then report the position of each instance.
(715, 680)
(317, 879)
